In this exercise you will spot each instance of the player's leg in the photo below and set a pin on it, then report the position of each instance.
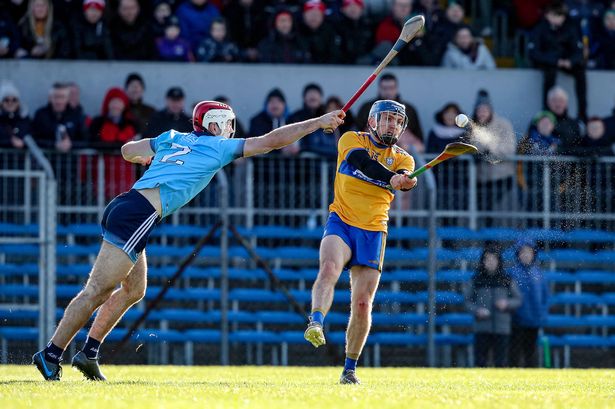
(363, 284)
(109, 314)
(334, 254)
(110, 268)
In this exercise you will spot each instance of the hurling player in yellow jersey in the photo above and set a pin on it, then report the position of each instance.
(369, 169)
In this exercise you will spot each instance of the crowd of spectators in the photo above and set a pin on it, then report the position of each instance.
(62, 124)
(567, 36)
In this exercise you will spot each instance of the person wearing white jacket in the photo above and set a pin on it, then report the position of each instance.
(467, 53)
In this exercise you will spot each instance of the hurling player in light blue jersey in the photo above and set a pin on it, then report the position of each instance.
(181, 166)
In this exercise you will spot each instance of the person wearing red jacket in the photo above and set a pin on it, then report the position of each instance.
(109, 131)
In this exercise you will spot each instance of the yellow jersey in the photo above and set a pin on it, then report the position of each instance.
(360, 201)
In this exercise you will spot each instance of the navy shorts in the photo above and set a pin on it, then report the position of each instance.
(128, 221)
(367, 246)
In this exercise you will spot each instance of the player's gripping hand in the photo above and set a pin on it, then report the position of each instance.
(332, 120)
(402, 182)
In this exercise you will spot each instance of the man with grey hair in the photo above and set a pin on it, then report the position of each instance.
(566, 128)
(57, 124)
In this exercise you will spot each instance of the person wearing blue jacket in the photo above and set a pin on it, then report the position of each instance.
(195, 18)
(532, 313)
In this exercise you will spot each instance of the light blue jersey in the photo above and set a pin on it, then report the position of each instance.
(185, 163)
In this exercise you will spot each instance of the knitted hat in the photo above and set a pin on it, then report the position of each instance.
(482, 98)
(99, 4)
(8, 89)
(314, 5)
(544, 114)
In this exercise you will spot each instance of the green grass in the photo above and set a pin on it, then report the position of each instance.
(295, 387)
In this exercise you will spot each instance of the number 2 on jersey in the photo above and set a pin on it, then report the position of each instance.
(183, 150)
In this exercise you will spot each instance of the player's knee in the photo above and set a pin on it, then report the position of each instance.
(135, 292)
(362, 307)
(96, 295)
(329, 271)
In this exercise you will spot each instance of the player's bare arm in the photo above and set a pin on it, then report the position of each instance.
(286, 135)
(138, 151)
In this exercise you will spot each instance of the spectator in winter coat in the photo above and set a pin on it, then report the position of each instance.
(74, 101)
(496, 139)
(317, 143)
(131, 33)
(566, 129)
(134, 86)
(389, 29)
(492, 297)
(14, 120)
(162, 11)
(247, 26)
(217, 48)
(467, 53)
(444, 29)
(354, 31)
(322, 41)
(9, 36)
(283, 45)
(604, 52)
(597, 143)
(109, 131)
(556, 45)
(272, 116)
(116, 125)
(171, 117)
(532, 313)
(41, 35)
(172, 46)
(541, 139)
(444, 131)
(57, 124)
(195, 18)
(91, 39)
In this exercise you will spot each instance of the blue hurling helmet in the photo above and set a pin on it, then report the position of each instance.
(377, 109)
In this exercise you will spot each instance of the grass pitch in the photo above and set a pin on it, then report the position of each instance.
(299, 387)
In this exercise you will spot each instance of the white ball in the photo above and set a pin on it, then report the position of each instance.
(462, 120)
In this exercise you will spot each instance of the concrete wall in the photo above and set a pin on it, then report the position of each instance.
(516, 94)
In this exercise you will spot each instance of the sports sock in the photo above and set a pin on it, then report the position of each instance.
(318, 316)
(350, 364)
(90, 349)
(53, 353)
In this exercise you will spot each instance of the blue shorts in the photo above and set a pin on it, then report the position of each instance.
(367, 247)
(128, 221)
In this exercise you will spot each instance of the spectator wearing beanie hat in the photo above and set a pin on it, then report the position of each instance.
(322, 41)
(91, 38)
(495, 180)
(14, 120)
(173, 47)
(283, 45)
(273, 115)
(109, 131)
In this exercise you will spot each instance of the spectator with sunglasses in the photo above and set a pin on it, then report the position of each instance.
(14, 120)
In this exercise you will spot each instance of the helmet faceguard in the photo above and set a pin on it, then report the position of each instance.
(207, 112)
(387, 120)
